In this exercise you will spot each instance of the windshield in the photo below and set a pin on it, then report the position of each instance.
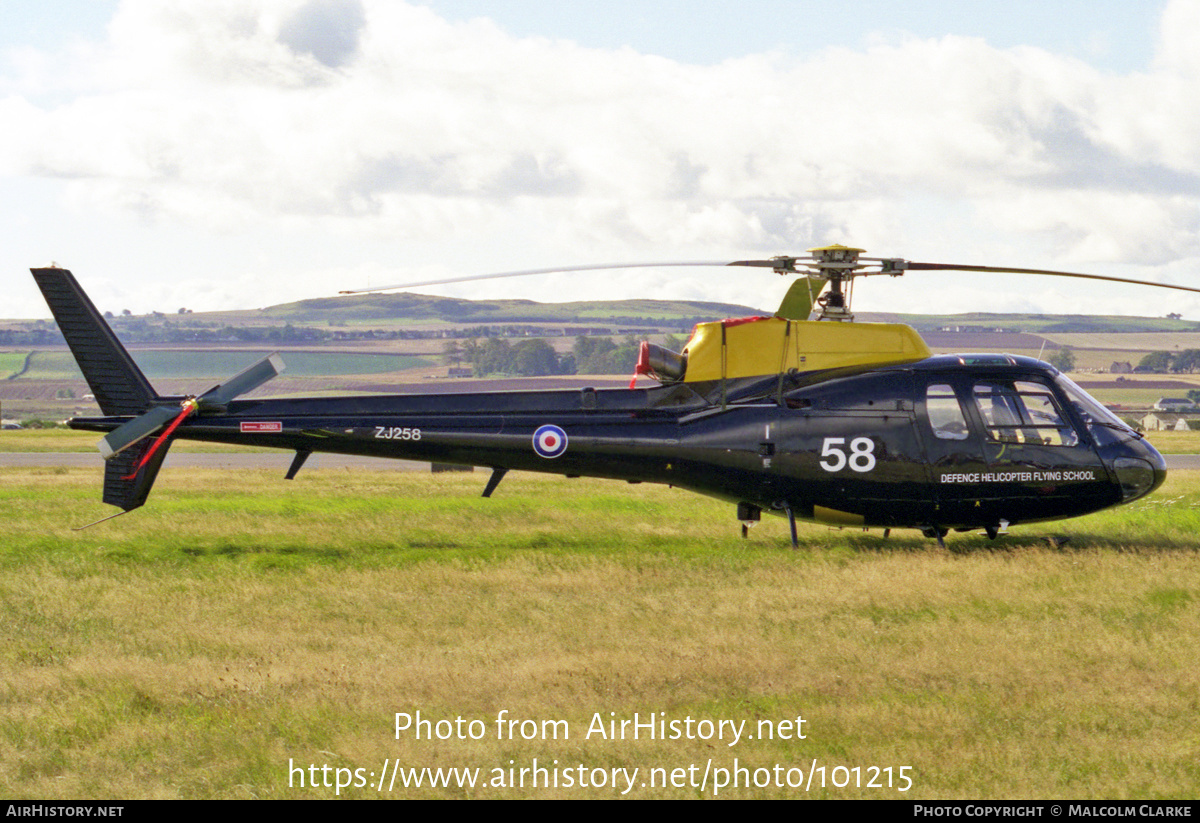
(1103, 425)
(1021, 411)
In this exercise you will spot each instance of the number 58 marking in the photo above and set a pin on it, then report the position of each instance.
(860, 459)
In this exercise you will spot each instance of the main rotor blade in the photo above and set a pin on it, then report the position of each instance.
(244, 381)
(1007, 270)
(136, 430)
(524, 272)
(779, 264)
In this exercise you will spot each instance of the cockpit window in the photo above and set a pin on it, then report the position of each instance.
(1021, 411)
(945, 414)
(1103, 425)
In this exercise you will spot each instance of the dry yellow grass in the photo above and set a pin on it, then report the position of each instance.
(196, 648)
(1172, 442)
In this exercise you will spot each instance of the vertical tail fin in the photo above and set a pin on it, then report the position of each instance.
(115, 379)
(127, 487)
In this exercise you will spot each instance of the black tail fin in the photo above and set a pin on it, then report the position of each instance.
(116, 381)
(125, 485)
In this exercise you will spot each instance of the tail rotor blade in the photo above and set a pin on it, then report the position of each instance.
(136, 430)
(244, 381)
(144, 425)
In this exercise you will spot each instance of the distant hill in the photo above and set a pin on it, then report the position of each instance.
(406, 309)
(421, 307)
(1035, 323)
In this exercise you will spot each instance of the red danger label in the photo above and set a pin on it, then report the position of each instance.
(262, 427)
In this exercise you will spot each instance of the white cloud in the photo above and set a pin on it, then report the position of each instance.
(407, 143)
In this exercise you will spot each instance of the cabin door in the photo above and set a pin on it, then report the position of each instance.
(1038, 465)
(954, 449)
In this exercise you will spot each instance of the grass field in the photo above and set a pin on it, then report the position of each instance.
(67, 441)
(11, 362)
(1129, 341)
(1142, 399)
(238, 630)
(60, 365)
(1172, 442)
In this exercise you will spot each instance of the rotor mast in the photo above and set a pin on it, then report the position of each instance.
(836, 265)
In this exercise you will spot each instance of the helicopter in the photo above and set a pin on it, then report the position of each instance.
(823, 419)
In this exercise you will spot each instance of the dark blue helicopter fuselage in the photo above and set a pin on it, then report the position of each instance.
(952, 441)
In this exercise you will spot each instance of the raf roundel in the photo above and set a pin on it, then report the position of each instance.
(549, 441)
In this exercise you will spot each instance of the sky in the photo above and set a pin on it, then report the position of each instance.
(223, 154)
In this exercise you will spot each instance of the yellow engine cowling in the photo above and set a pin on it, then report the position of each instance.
(769, 345)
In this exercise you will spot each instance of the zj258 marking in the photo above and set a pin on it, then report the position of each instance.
(385, 433)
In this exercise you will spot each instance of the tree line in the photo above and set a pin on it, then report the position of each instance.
(534, 357)
(1180, 362)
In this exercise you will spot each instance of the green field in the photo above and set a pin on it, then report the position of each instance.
(11, 363)
(1065, 326)
(238, 630)
(1143, 399)
(52, 365)
(66, 441)
(1132, 341)
(1172, 442)
(60, 365)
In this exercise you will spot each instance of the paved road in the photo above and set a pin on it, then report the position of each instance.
(282, 459)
